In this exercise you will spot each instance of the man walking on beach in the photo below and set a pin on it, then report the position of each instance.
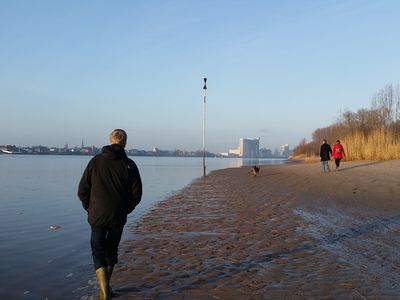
(110, 189)
(325, 154)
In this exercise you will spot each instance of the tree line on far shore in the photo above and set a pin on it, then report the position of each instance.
(368, 134)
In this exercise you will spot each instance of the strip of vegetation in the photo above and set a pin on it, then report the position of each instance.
(368, 134)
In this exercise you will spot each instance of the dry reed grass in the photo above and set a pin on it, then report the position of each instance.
(379, 144)
(306, 158)
(312, 159)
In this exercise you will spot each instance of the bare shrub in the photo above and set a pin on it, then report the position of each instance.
(306, 148)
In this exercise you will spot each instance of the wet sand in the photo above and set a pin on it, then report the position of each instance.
(291, 232)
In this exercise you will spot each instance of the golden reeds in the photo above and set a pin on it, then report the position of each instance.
(380, 144)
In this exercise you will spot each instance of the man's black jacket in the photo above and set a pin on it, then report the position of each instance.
(110, 187)
(325, 152)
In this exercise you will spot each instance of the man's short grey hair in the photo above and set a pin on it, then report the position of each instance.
(118, 136)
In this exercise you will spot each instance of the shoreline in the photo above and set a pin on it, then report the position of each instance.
(287, 233)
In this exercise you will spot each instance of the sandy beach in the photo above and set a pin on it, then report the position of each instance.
(291, 232)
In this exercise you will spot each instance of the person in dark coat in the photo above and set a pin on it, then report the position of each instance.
(325, 154)
(110, 189)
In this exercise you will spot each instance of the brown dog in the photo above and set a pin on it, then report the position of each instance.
(256, 170)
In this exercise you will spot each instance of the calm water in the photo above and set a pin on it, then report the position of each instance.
(37, 192)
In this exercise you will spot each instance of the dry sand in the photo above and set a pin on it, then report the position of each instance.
(292, 232)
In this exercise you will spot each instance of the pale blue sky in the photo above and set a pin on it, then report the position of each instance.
(73, 70)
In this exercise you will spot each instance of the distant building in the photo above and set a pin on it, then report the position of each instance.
(265, 153)
(86, 150)
(6, 149)
(234, 152)
(231, 153)
(285, 151)
(249, 148)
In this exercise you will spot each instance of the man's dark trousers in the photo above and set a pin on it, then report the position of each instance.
(104, 242)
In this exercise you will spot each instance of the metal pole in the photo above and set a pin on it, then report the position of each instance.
(204, 126)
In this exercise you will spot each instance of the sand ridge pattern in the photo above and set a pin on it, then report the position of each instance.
(232, 236)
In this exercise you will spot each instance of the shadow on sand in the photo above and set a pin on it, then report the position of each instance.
(361, 165)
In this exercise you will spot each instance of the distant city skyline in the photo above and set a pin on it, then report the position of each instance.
(67, 145)
(247, 150)
(277, 70)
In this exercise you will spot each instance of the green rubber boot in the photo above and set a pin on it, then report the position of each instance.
(102, 281)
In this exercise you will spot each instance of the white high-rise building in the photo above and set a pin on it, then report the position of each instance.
(285, 151)
(249, 147)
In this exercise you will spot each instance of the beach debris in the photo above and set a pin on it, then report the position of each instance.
(26, 292)
(54, 227)
(359, 294)
(20, 213)
(69, 275)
